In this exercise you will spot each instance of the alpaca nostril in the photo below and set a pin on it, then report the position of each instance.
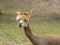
(20, 24)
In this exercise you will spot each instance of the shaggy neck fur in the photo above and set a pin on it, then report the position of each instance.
(30, 35)
(28, 32)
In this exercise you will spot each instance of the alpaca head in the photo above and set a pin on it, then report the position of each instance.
(23, 18)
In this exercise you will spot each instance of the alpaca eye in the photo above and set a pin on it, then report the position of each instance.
(25, 20)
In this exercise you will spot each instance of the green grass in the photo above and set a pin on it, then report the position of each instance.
(43, 21)
(11, 34)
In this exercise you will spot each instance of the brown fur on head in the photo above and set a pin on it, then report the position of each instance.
(23, 17)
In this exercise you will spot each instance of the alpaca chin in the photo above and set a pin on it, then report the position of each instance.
(24, 25)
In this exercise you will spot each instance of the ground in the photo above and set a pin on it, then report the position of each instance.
(11, 34)
(45, 19)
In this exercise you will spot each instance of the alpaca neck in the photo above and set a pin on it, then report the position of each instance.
(30, 35)
(28, 32)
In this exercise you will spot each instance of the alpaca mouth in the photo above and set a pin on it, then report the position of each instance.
(20, 25)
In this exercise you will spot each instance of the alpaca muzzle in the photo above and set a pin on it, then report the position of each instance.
(22, 23)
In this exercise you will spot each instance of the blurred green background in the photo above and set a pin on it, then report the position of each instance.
(45, 19)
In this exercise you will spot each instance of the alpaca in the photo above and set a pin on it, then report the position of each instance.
(46, 39)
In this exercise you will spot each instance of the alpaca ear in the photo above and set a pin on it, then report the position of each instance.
(31, 10)
(29, 13)
(18, 12)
